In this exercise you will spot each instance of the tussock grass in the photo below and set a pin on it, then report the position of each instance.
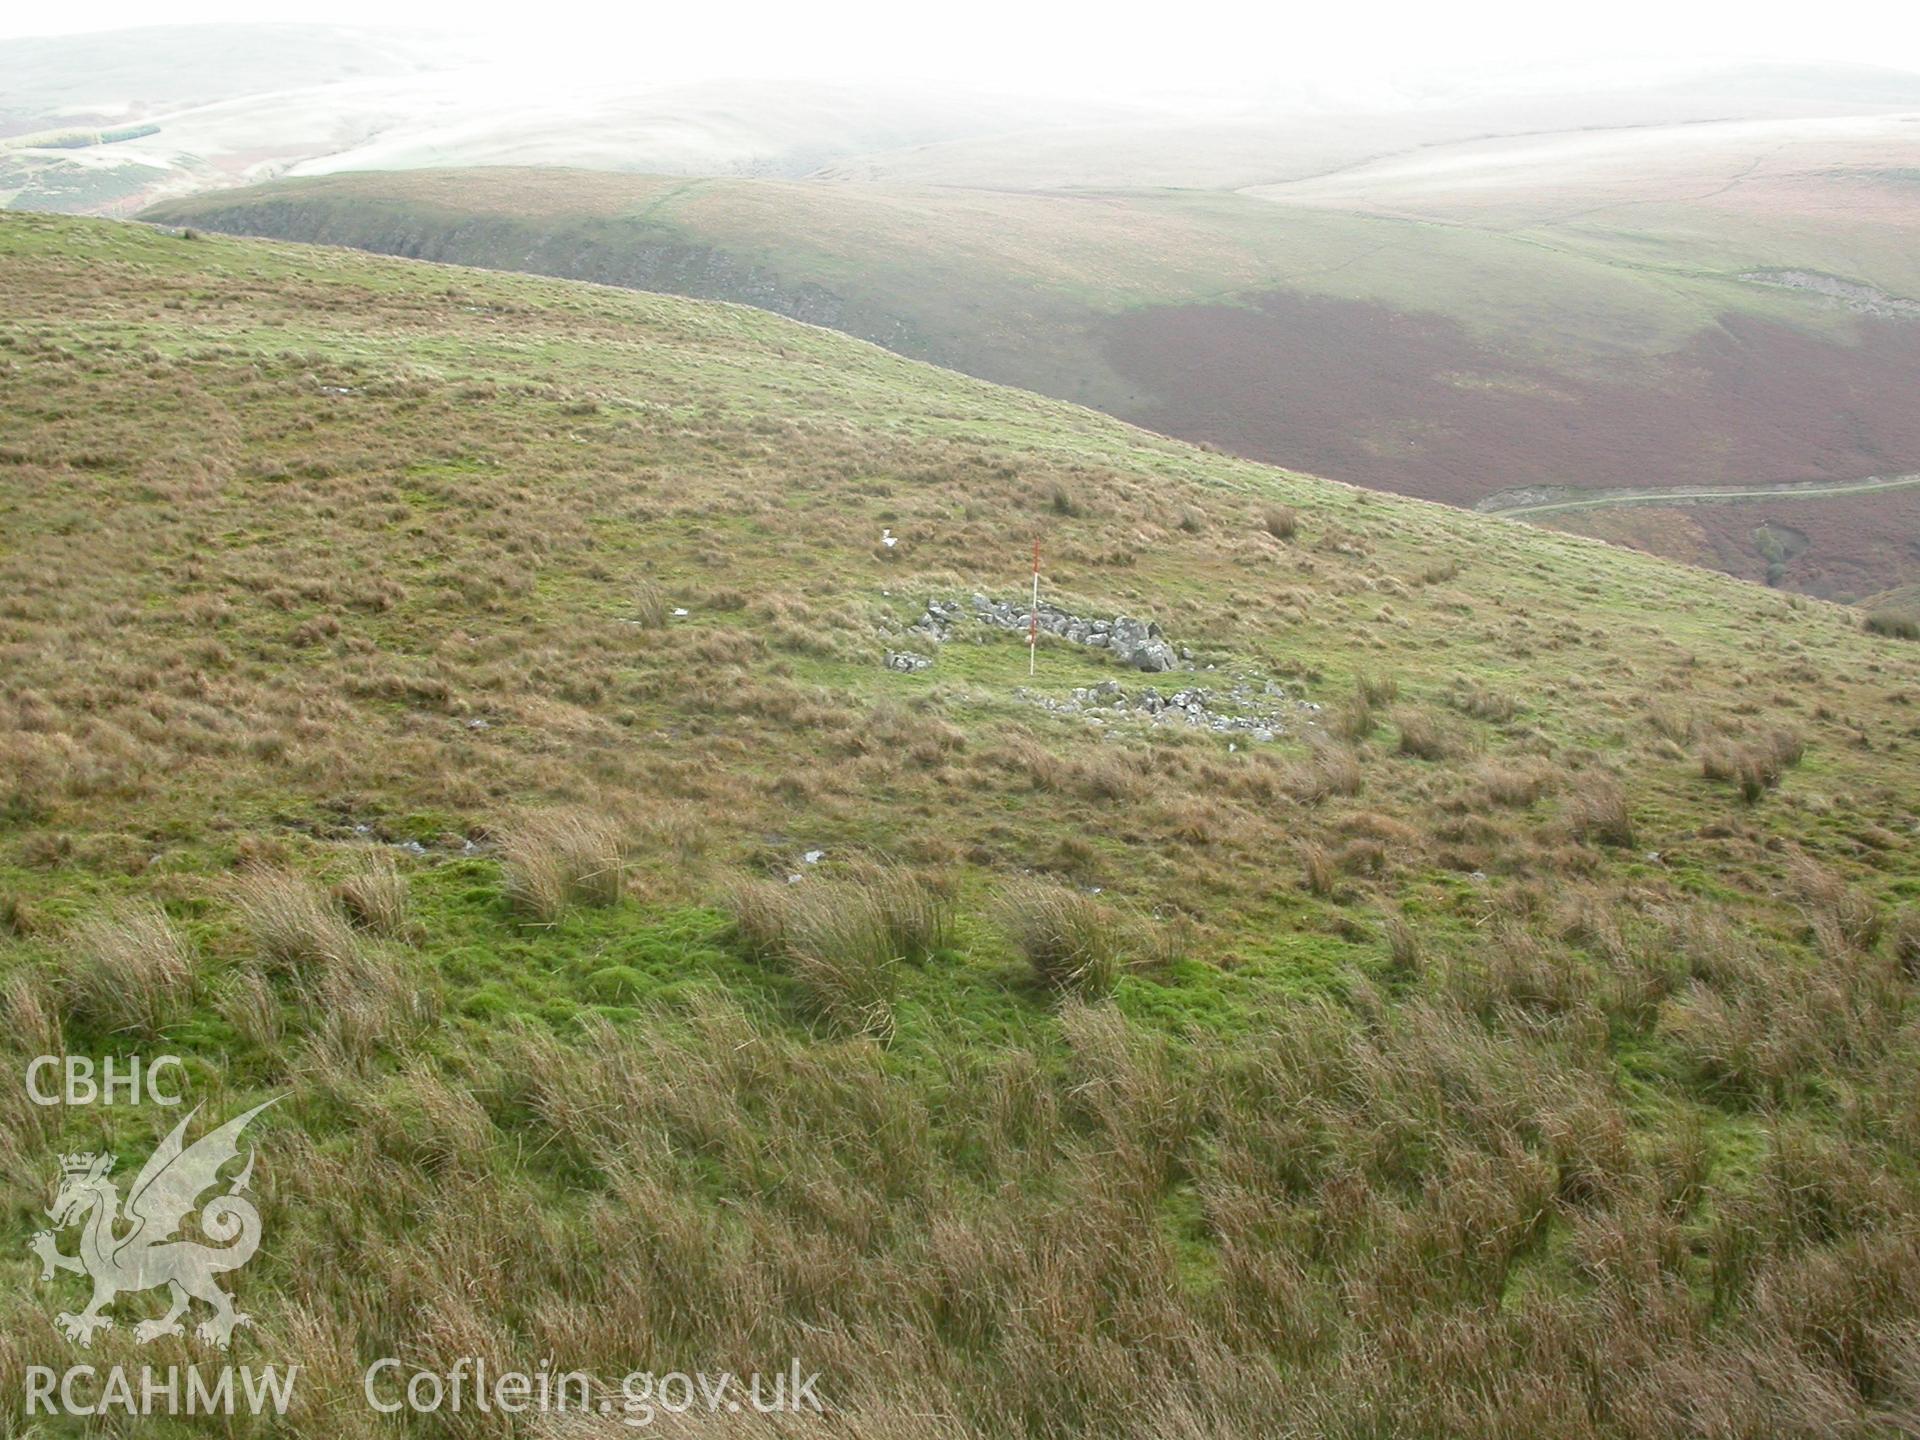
(361, 996)
(762, 912)
(1843, 917)
(651, 608)
(1766, 1028)
(32, 1016)
(1483, 702)
(1514, 786)
(248, 1004)
(1757, 765)
(1679, 723)
(295, 930)
(842, 938)
(373, 1009)
(16, 916)
(559, 858)
(1331, 771)
(128, 969)
(1359, 716)
(841, 950)
(1319, 872)
(1376, 691)
(1906, 941)
(915, 912)
(1404, 948)
(375, 897)
(1074, 943)
(1353, 721)
(1280, 521)
(1597, 811)
(1517, 972)
(1422, 736)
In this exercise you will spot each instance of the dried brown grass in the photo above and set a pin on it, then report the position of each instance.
(128, 969)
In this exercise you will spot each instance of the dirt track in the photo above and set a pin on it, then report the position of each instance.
(1657, 495)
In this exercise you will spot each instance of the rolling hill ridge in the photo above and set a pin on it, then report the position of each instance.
(1565, 335)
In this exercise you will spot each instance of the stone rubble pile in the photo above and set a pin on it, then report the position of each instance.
(1135, 643)
(1250, 706)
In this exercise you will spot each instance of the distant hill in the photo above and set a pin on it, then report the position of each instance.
(1261, 139)
(1622, 308)
(1900, 605)
(177, 108)
(116, 76)
(221, 105)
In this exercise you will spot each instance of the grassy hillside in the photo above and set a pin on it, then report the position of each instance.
(456, 702)
(1567, 337)
(1894, 611)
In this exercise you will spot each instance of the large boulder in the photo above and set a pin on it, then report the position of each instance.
(1139, 643)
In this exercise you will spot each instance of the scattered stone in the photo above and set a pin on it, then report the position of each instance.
(939, 619)
(1136, 643)
(814, 857)
(1861, 299)
(1251, 706)
(907, 661)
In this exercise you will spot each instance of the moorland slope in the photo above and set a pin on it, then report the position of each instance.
(459, 702)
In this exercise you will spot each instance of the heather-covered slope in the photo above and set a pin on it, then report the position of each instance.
(422, 689)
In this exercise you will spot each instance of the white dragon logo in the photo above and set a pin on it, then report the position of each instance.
(165, 1191)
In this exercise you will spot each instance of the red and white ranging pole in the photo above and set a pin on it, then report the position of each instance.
(1033, 627)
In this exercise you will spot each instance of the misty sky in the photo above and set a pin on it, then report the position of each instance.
(1110, 49)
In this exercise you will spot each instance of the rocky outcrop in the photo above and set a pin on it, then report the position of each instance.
(1859, 298)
